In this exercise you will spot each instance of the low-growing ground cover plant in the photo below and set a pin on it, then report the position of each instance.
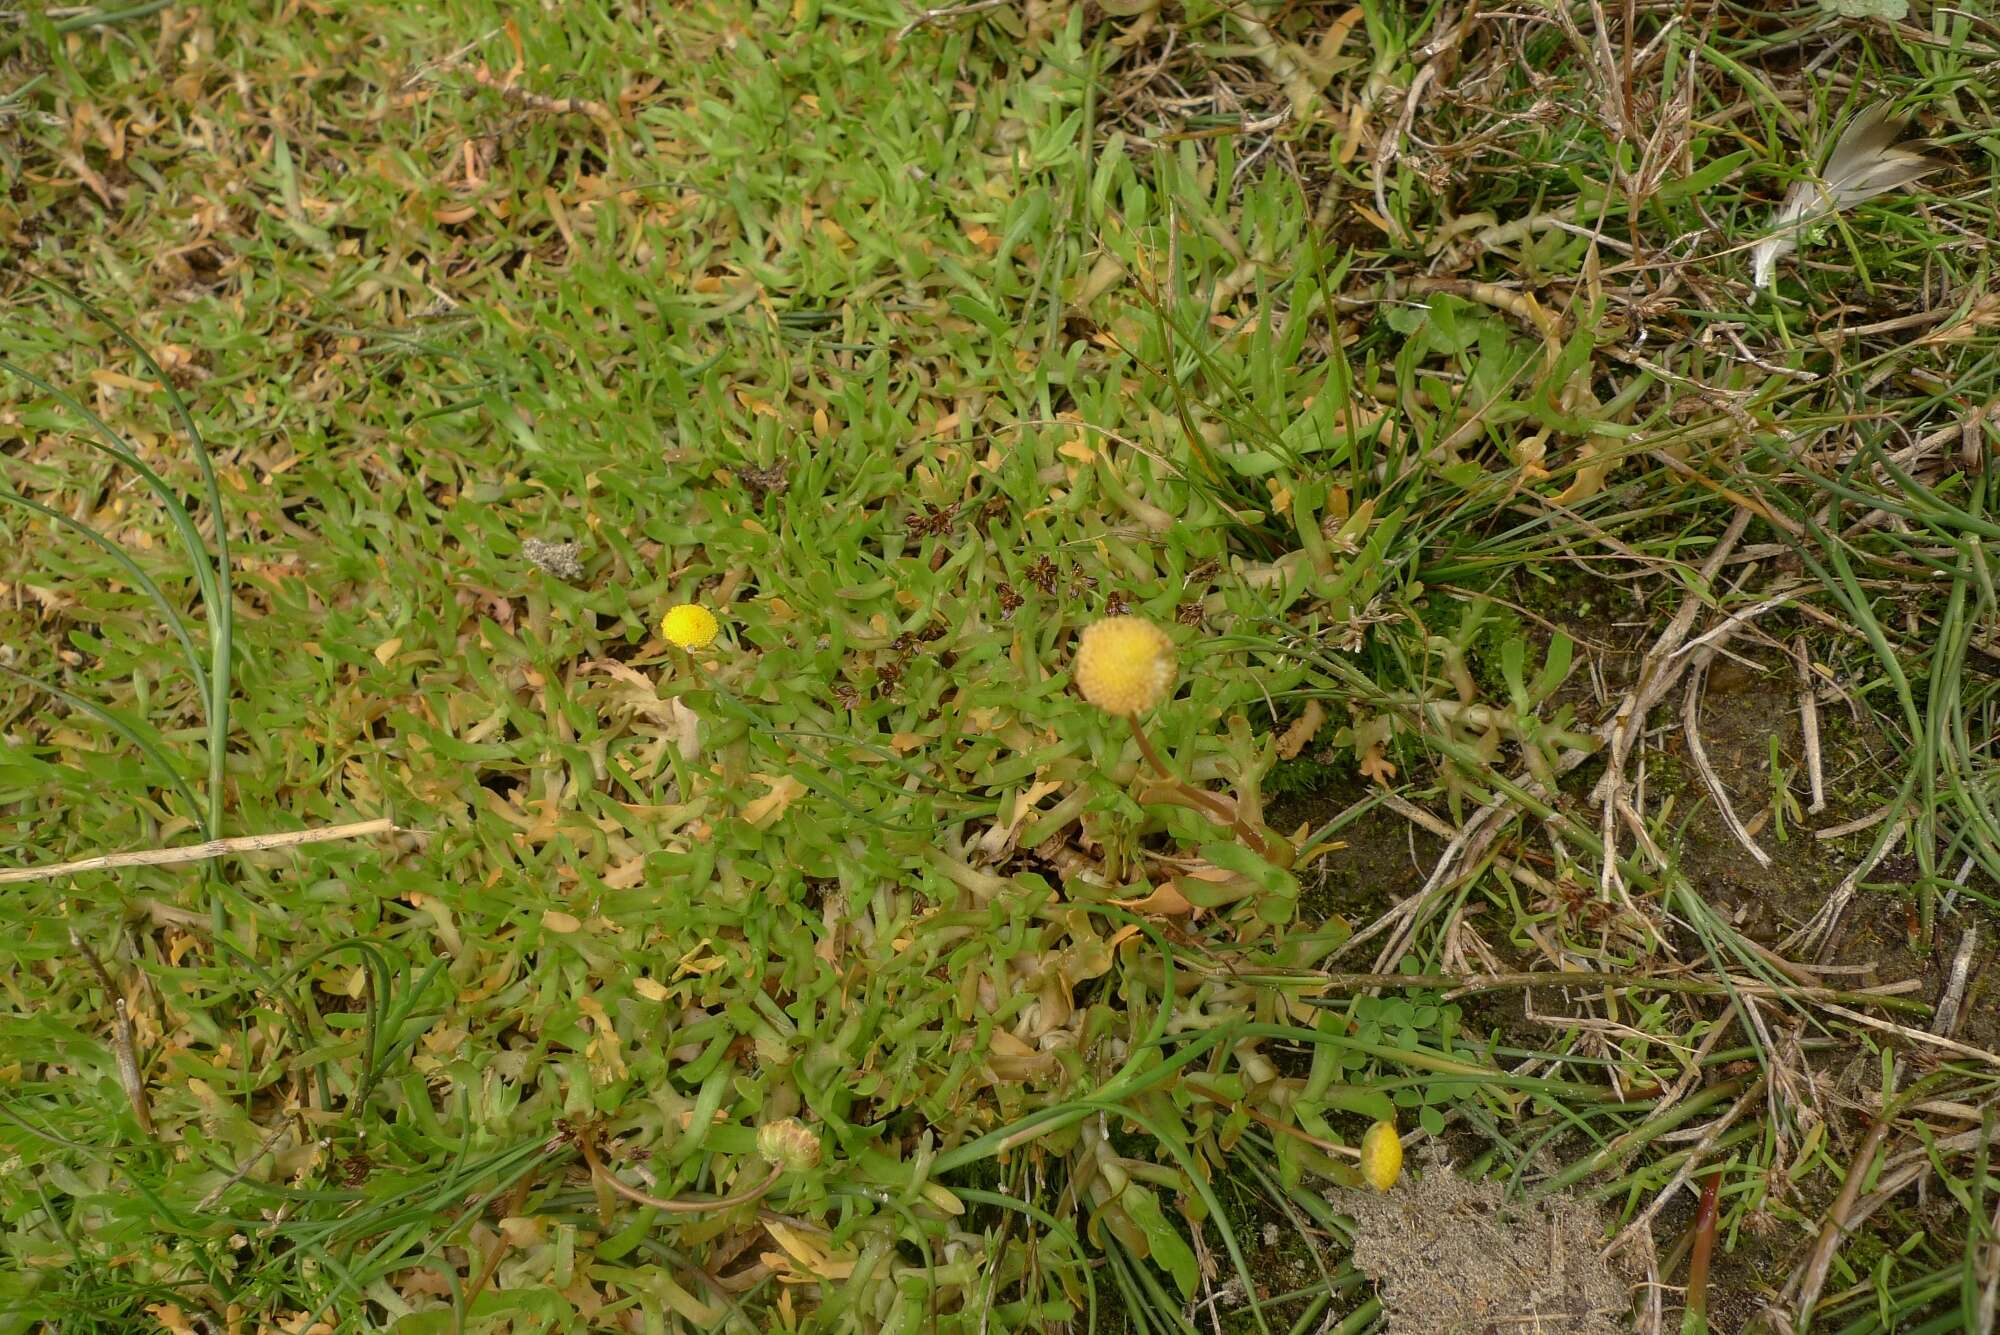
(1000, 668)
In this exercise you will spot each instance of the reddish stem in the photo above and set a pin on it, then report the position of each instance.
(501, 1246)
(1704, 1244)
(603, 1174)
(1222, 810)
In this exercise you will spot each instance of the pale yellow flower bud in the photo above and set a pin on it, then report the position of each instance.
(787, 1143)
(1381, 1156)
(1124, 665)
(689, 625)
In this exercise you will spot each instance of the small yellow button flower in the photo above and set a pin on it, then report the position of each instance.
(689, 625)
(1381, 1156)
(1124, 665)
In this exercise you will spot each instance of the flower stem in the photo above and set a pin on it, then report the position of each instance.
(603, 1174)
(1222, 810)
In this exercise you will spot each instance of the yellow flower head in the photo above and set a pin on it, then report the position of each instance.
(1381, 1156)
(1124, 665)
(789, 1144)
(690, 625)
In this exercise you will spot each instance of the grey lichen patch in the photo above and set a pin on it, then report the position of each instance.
(1452, 1257)
(561, 559)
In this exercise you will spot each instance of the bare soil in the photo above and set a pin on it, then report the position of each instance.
(1455, 1257)
(1750, 698)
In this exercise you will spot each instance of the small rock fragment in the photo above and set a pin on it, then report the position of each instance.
(556, 558)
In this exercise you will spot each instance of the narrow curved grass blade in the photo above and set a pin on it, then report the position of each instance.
(148, 747)
(216, 592)
(133, 570)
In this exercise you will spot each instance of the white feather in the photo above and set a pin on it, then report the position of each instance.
(1865, 162)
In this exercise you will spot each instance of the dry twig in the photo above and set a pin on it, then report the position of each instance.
(1698, 753)
(243, 1169)
(121, 1036)
(214, 848)
(1810, 1278)
(1809, 728)
(1820, 928)
(1945, 1022)
(1662, 668)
